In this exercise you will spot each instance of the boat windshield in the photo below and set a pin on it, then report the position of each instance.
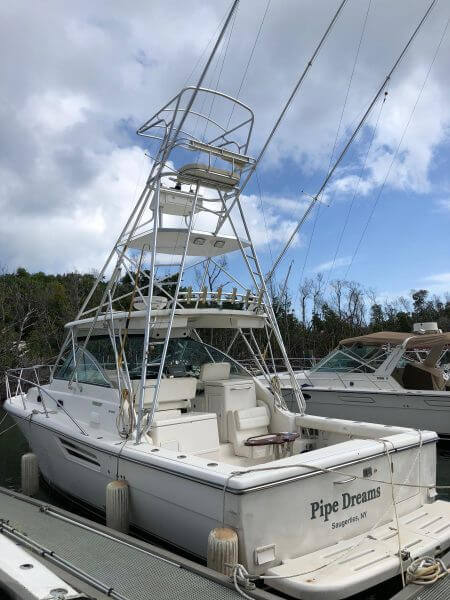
(357, 358)
(184, 356)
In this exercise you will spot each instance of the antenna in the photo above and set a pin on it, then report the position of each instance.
(350, 141)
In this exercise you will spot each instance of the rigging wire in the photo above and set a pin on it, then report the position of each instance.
(363, 168)
(349, 142)
(220, 73)
(344, 106)
(203, 52)
(316, 218)
(224, 51)
(397, 149)
(286, 106)
(211, 77)
(261, 204)
(216, 87)
(205, 98)
(240, 89)
(7, 429)
(355, 62)
(241, 84)
(249, 59)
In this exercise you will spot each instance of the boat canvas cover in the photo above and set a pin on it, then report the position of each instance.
(396, 338)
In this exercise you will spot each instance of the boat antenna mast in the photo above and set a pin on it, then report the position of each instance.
(162, 306)
(228, 196)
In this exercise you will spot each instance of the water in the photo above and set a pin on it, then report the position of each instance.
(13, 445)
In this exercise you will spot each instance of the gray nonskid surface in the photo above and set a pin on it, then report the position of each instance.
(131, 571)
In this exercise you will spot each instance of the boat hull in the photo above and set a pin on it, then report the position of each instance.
(278, 517)
(158, 506)
(418, 410)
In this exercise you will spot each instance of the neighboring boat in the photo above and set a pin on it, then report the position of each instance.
(384, 377)
(320, 506)
(24, 577)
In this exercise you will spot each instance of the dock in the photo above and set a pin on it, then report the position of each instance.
(440, 590)
(102, 563)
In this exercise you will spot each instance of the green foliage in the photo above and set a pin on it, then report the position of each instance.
(34, 308)
(33, 311)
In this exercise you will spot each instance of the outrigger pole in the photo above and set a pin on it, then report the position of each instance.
(282, 114)
(349, 143)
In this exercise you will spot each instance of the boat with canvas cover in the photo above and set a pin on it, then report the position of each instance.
(319, 505)
(384, 377)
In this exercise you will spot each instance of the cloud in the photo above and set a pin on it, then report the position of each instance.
(439, 278)
(438, 283)
(85, 75)
(80, 235)
(443, 205)
(342, 261)
(351, 184)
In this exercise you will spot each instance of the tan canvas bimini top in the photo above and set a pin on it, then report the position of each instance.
(396, 338)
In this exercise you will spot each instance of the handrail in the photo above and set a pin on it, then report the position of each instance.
(20, 379)
(298, 363)
(211, 296)
(165, 117)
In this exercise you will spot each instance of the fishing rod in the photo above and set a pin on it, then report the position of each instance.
(315, 198)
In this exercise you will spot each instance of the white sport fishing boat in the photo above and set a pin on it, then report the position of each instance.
(384, 377)
(321, 506)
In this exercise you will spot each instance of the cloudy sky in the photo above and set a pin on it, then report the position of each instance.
(78, 78)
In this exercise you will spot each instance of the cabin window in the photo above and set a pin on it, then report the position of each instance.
(357, 358)
(184, 356)
(82, 369)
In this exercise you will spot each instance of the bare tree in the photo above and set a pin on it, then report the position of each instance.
(305, 291)
(356, 307)
(338, 287)
(317, 293)
(213, 273)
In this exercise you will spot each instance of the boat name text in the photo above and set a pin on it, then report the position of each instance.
(323, 509)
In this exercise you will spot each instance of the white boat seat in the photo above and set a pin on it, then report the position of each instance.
(158, 303)
(246, 423)
(174, 392)
(214, 371)
(208, 175)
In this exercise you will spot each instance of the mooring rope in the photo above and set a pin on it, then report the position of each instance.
(239, 572)
(7, 429)
(426, 570)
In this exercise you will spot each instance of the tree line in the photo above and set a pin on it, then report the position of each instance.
(35, 306)
(331, 311)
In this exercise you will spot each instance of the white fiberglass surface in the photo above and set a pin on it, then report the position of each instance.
(225, 455)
